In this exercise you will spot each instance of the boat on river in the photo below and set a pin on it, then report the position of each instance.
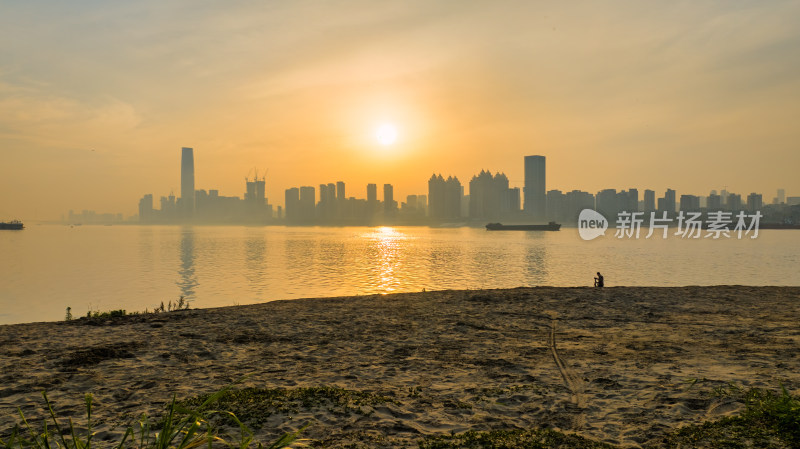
(552, 226)
(12, 225)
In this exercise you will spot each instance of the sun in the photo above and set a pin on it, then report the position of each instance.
(386, 134)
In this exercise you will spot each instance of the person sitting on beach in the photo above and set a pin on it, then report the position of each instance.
(598, 281)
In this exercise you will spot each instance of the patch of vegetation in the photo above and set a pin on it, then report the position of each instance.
(96, 354)
(770, 420)
(180, 428)
(512, 439)
(111, 314)
(254, 405)
(97, 317)
(181, 304)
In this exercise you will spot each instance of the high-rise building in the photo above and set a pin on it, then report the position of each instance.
(781, 196)
(187, 182)
(436, 196)
(146, 208)
(607, 203)
(372, 193)
(514, 199)
(307, 194)
(714, 202)
(340, 196)
(444, 198)
(389, 206)
(630, 200)
(734, 203)
(489, 196)
(556, 205)
(331, 193)
(535, 204)
(669, 202)
(292, 204)
(576, 202)
(649, 201)
(690, 203)
(754, 202)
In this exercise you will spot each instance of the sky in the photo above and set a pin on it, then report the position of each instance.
(98, 97)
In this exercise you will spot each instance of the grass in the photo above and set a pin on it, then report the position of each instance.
(179, 428)
(770, 419)
(512, 439)
(96, 316)
(254, 405)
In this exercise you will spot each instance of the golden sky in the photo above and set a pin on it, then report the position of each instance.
(98, 97)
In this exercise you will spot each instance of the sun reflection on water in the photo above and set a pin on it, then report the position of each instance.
(385, 250)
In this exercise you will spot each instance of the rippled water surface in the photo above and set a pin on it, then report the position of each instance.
(45, 269)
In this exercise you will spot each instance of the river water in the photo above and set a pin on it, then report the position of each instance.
(46, 268)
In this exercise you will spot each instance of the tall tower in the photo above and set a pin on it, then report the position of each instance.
(187, 181)
(534, 191)
(388, 199)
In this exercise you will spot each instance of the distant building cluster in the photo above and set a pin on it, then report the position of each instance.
(201, 206)
(490, 199)
(92, 217)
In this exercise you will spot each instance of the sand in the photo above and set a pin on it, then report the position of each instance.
(622, 365)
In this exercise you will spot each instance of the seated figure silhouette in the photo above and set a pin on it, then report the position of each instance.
(598, 281)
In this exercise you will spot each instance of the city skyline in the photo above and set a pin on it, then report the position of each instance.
(485, 197)
(94, 97)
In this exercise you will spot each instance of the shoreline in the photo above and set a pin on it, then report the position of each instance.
(614, 364)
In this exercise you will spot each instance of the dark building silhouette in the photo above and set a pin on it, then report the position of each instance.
(389, 205)
(340, 195)
(444, 198)
(690, 203)
(714, 202)
(629, 201)
(556, 205)
(754, 202)
(187, 182)
(489, 196)
(255, 200)
(577, 201)
(146, 212)
(649, 202)
(372, 193)
(515, 200)
(734, 202)
(607, 203)
(306, 211)
(669, 203)
(535, 204)
(292, 205)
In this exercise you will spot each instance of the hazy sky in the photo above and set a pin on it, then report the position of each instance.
(98, 97)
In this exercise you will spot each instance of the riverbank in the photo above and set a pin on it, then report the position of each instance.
(622, 365)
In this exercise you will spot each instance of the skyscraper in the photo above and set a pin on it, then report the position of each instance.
(389, 206)
(187, 182)
(649, 201)
(340, 195)
(372, 193)
(292, 205)
(534, 191)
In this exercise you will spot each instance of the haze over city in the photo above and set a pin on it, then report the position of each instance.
(95, 99)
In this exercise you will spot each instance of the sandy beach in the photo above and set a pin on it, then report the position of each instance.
(621, 365)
